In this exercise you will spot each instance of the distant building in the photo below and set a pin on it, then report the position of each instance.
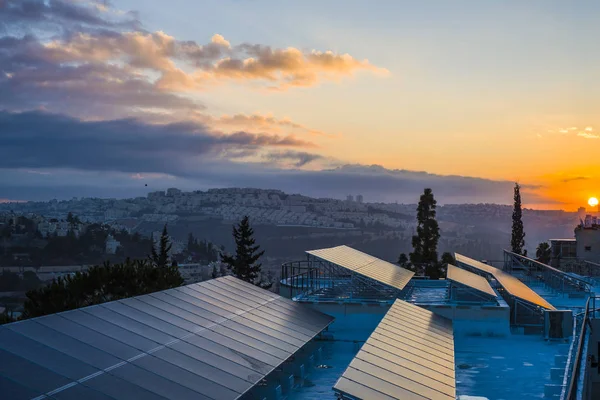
(111, 245)
(562, 250)
(584, 247)
(349, 198)
(359, 198)
(295, 209)
(173, 192)
(156, 195)
(587, 236)
(113, 213)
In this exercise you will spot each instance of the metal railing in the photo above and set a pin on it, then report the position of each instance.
(553, 277)
(571, 392)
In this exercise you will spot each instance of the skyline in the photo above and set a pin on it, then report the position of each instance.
(191, 95)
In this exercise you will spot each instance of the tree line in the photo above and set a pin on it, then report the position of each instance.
(158, 271)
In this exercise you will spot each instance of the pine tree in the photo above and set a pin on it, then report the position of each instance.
(517, 241)
(424, 256)
(243, 265)
(161, 258)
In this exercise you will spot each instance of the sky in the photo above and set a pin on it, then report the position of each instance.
(113, 99)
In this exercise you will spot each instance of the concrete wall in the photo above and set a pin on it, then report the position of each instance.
(592, 382)
(352, 321)
(475, 320)
(588, 237)
(357, 321)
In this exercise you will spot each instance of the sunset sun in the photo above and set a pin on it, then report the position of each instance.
(593, 201)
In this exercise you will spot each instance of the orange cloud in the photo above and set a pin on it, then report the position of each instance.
(186, 65)
(262, 121)
(289, 67)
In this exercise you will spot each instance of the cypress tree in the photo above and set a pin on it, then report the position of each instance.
(424, 256)
(244, 264)
(161, 258)
(517, 241)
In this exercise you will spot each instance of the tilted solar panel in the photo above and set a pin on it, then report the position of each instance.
(410, 355)
(211, 340)
(365, 265)
(511, 284)
(469, 279)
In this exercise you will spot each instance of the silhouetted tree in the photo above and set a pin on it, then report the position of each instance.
(73, 220)
(543, 253)
(6, 318)
(517, 241)
(191, 244)
(424, 256)
(244, 264)
(161, 258)
(402, 260)
(448, 258)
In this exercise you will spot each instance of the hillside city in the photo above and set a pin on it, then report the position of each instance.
(278, 216)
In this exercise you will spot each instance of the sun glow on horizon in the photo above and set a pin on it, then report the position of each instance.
(593, 201)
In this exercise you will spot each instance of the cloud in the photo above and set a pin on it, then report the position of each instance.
(46, 155)
(292, 158)
(62, 34)
(287, 67)
(587, 135)
(61, 13)
(89, 60)
(209, 63)
(576, 178)
(260, 121)
(32, 76)
(374, 182)
(37, 140)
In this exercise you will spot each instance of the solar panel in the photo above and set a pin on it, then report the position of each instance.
(478, 265)
(365, 265)
(469, 279)
(410, 355)
(211, 340)
(511, 284)
(520, 290)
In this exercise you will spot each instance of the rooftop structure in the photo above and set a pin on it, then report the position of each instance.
(213, 340)
(509, 283)
(531, 269)
(344, 274)
(365, 265)
(225, 338)
(409, 355)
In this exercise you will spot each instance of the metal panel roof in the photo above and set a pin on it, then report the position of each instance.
(365, 265)
(469, 279)
(511, 284)
(210, 340)
(410, 355)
